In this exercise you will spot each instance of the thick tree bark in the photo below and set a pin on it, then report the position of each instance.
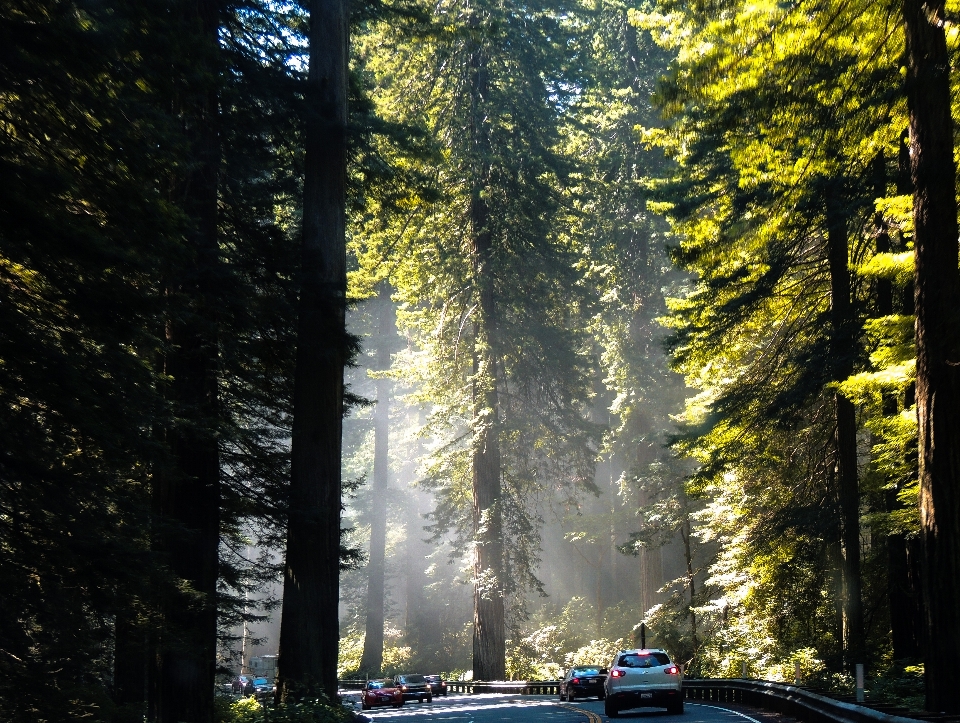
(904, 599)
(843, 350)
(309, 627)
(937, 300)
(651, 576)
(187, 495)
(372, 659)
(834, 554)
(489, 633)
(489, 621)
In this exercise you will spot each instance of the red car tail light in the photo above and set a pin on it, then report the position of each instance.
(616, 673)
(672, 670)
(575, 681)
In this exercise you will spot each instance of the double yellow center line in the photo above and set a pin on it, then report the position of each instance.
(591, 716)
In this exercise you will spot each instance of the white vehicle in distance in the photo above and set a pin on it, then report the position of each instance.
(642, 678)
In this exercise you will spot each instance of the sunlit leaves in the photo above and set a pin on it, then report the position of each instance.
(776, 110)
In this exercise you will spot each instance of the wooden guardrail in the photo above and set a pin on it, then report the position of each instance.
(515, 687)
(352, 684)
(477, 687)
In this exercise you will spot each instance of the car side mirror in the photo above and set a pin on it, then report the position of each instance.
(603, 671)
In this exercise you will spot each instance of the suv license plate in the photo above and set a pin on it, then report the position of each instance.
(646, 695)
(591, 680)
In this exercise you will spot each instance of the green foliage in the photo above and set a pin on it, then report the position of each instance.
(396, 657)
(96, 259)
(555, 640)
(83, 235)
(536, 338)
(249, 710)
(901, 684)
(782, 121)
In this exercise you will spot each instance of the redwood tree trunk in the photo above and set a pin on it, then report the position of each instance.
(937, 300)
(187, 494)
(685, 533)
(843, 351)
(372, 659)
(309, 627)
(489, 631)
(489, 622)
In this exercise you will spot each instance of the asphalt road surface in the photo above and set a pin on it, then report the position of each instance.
(547, 709)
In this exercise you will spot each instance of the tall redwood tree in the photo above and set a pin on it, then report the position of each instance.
(937, 302)
(372, 659)
(187, 492)
(309, 627)
(489, 621)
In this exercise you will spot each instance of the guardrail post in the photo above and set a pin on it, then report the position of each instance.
(859, 682)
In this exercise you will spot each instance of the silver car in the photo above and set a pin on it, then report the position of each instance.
(641, 678)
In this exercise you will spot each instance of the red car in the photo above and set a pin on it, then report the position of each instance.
(381, 692)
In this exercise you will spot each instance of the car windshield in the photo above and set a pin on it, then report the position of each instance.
(413, 679)
(432, 678)
(261, 681)
(585, 671)
(373, 684)
(643, 660)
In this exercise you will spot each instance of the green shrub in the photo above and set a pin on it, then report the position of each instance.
(249, 710)
(901, 684)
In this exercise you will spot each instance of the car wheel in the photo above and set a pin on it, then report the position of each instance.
(602, 696)
(429, 698)
(561, 695)
(609, 709)
(364, 706)
(676, 708)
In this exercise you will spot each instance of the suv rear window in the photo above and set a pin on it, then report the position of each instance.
(643, 660)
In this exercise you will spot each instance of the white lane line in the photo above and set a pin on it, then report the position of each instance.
(735, 712)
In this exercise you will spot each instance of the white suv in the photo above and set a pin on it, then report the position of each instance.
(644, 677)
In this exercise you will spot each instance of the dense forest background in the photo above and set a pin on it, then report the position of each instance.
(521, 324)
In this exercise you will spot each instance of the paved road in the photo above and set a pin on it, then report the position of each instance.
(547, 709)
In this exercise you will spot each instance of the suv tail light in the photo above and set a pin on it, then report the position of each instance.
(575, 681)
(672, 670)
(616, 673)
